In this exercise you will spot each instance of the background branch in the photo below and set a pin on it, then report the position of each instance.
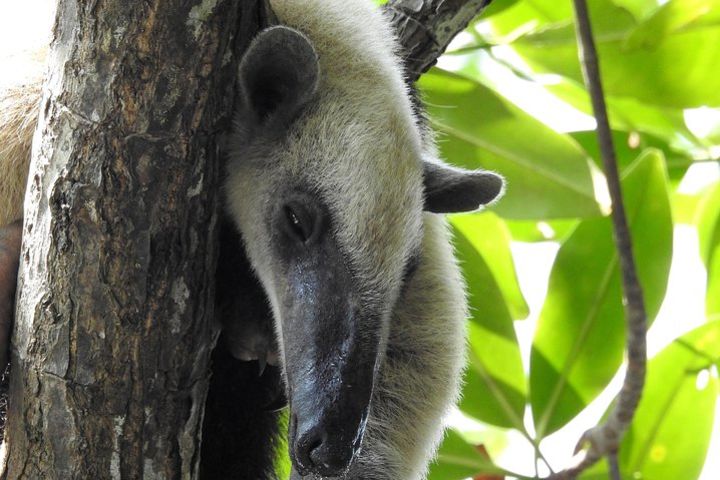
(604, 439)
(425, 28)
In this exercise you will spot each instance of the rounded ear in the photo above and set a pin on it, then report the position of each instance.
(452, 190)
(278, 75)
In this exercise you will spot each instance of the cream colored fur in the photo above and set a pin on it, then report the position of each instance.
(359, 145)
(18, 116)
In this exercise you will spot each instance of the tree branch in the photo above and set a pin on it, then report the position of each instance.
(604, 439)
(425, 28)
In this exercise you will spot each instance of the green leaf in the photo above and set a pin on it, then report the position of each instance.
(639, 8)
(529, 231)
(712, 298)
(599, 471)
(708, 222)
(629, 114)
(283, 466)
(680, 71)
(497, 7)
(490, 237)
(673, 17)
(494, 392)
(629, 145)
(488, 132)
(579, 342)
(670, 433)
(458, 460)
(523, 16)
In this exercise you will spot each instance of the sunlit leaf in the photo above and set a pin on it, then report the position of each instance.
(282, 459)
(497, 7)
(579, 341)
(630, 114)
(628, 146)
(548, 175)
(525, 16)
(680, 71)
(670, 433)
(494, 392)
(490, 237)
(674, 16)
(639, 8)
(458, 460)
(708, 224)
(708, 221)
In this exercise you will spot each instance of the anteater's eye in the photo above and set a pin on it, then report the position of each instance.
(301, 225)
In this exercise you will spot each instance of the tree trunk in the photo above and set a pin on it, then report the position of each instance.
(114, 316)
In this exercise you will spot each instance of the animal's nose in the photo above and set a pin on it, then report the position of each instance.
(316, 451)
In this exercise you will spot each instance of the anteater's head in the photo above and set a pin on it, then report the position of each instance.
(328, 184)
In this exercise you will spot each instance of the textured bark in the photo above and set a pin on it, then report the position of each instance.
(426, 28)
(114, 319)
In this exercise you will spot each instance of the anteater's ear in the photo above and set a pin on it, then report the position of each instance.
(278, 76)
(450, 190)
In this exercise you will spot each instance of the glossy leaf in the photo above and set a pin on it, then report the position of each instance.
(494, 392)
(639, 8)
(523, 16)
(579, 342)
(539, 164)
(550, 230)
(490, 237)
(629, 114)
(708, 222)
(674, 16)
(670, 433)
(712, 302)
(628, 146)
(679, 71)
(497, 7)
(458, 460)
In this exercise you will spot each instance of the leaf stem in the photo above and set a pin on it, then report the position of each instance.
(538, 454)
(614, 466)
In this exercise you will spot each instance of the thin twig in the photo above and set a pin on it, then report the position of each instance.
(614, 466)
(604, 439)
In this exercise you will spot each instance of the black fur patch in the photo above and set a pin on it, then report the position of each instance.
(241, 433)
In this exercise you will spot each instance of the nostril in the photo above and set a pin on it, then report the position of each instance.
(328, 462)
(328, 459)
(313, 448)
(307, 443)
(320, 448)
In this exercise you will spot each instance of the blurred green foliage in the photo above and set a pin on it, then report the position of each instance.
(661, 69)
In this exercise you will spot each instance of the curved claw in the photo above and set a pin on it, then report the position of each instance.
(262, 363)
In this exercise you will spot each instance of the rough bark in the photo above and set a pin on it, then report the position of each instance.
(426, 28)
(114, 319)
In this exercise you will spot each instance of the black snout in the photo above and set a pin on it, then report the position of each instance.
(333, 332)
(324, 447)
